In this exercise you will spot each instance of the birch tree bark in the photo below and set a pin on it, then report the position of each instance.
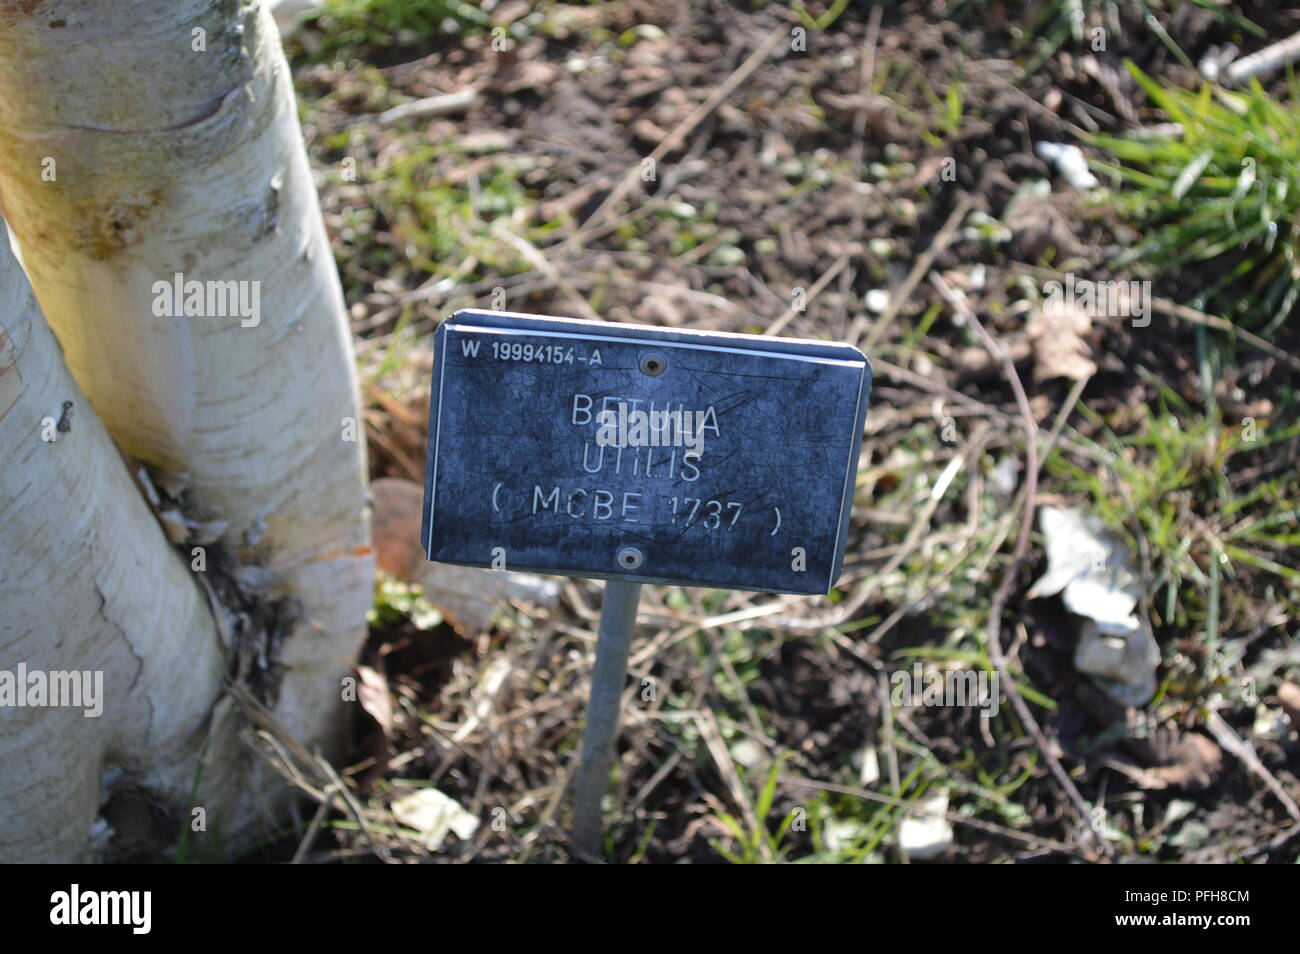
(147, 145)
(88, 584)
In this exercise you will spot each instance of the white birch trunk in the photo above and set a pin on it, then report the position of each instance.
(87, 584)
(144, 138)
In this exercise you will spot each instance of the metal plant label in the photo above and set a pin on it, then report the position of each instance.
(642, 454)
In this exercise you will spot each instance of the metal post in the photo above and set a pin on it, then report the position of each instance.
(613, 641)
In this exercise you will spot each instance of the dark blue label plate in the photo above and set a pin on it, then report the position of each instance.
(624, 451)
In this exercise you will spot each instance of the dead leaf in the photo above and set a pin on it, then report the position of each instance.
(395, 526)
(372, 693)
(1194, 763)
(1056, 333)
(1039, 223)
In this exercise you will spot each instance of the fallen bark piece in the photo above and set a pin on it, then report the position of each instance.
(467, 596)
(1094, 574)
(1123, 664)
(1091, 570)
(925, 834)
(433, 815)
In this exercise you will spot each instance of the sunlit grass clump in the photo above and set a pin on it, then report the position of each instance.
(1224, 191)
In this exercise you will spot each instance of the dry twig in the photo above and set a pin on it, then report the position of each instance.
(1017, 554)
